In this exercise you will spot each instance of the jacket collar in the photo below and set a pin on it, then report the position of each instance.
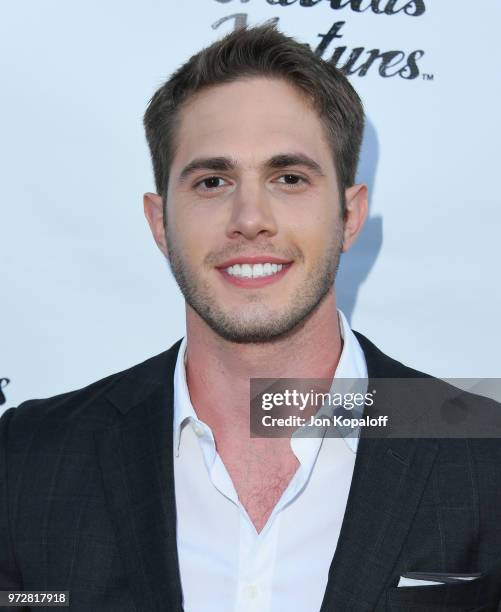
(135, 455)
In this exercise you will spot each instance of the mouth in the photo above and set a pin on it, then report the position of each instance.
(254, 272)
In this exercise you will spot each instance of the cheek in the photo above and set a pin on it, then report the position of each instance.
(316, 230)
(195, 233)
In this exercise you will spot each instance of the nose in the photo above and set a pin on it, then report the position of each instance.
(251, 213)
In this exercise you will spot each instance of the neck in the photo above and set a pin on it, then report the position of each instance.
(218, 371)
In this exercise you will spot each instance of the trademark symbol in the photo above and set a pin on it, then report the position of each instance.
(427, 77)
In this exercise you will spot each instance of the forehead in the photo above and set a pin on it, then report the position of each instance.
(249, 120)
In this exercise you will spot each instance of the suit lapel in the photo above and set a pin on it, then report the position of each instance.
(387, 485)
(135, 455)
(388, 482)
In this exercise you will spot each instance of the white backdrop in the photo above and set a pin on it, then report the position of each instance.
(84, 291)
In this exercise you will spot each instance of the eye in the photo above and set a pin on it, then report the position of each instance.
(210, 183)
(291, 180)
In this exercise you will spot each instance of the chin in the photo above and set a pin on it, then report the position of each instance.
(270, 328)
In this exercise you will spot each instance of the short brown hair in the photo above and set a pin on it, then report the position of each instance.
(250, 52)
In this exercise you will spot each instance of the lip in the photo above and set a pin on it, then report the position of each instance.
(260, 281)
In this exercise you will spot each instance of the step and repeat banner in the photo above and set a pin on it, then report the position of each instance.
(84, 290)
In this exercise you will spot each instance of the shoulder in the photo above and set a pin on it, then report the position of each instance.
(89, 407)
(463, 421)
(380, 365)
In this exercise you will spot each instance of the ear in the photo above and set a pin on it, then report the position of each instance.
(154, 213)
(356, 198)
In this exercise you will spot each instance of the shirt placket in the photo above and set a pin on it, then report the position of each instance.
(256, 565)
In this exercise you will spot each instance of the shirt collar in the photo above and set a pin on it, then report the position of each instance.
(183, 408)
(352, 362)
(351, 365)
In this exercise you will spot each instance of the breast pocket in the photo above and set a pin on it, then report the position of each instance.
(473, 596)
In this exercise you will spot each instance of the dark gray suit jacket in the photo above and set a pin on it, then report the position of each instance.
(87, 504)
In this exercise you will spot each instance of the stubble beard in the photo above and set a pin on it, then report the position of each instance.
(257, 323)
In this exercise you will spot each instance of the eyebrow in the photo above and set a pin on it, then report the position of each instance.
(225, 164)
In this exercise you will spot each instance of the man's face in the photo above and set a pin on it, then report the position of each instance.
(254, 228)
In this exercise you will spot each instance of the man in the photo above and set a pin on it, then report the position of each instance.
(145, 491)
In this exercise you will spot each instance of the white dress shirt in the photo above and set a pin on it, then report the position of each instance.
(225, 565)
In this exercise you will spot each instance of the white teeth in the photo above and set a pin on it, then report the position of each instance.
(234, 270)
(246, 270)
(257, 270)
(253, 271)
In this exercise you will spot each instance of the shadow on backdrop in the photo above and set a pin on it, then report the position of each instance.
(356, 264)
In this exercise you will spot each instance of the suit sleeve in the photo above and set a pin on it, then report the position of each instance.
(10, 577)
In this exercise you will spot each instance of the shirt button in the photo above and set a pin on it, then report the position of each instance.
(251, 591)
